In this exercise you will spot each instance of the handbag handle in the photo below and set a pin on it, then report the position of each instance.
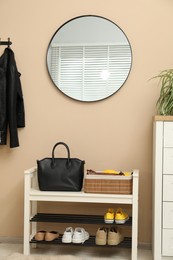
(68, 153)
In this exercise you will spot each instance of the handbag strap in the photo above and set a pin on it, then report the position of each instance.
(68, 152)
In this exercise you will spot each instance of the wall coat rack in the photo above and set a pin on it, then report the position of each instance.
(8, 42)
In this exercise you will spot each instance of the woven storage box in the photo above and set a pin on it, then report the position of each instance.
(108, 184)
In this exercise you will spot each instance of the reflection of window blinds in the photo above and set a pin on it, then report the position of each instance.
(77, 70)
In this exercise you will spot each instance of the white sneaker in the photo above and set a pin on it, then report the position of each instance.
(80, 235)
(67, 236)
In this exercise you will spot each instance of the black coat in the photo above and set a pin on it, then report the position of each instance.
(12, 113)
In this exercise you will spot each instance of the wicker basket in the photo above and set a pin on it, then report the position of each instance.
(108, 184)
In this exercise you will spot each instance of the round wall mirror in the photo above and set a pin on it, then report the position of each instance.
(89, 58)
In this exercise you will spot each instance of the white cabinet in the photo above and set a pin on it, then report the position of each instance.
(163, 188)
(33, 195)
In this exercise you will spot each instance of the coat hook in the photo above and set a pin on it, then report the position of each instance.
(9, 42)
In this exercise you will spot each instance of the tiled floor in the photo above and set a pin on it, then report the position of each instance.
(87, 253)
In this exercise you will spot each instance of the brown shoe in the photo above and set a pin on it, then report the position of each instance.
(101, 236)
(40, 235)
(52, 235)
(114, 236)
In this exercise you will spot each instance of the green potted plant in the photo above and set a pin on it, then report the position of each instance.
(165, 101)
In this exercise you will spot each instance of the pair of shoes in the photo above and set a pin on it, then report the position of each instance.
(119, 217)
(77, 236)
(47, 236)
(110, 236)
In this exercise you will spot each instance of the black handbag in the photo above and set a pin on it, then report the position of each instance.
(60, 174)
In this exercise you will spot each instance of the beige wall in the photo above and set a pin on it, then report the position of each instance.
(114, 133)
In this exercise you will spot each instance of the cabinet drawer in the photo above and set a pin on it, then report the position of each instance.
(168, 134)
(168, 215)
(168, 161)
(167, 242)
(167, 187)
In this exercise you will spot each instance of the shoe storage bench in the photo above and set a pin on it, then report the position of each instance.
(32, 195)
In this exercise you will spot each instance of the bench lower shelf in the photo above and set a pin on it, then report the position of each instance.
(127, 242)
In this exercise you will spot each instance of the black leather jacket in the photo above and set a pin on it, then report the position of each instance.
(11, 99)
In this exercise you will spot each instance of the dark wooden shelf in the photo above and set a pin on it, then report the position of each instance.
(127, 242)
(73, 218)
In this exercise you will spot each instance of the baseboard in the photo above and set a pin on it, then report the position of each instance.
(15, 240)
